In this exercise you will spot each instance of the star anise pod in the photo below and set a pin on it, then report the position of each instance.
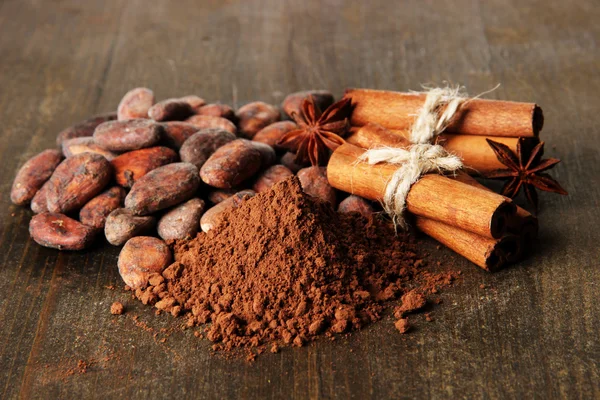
(318, 132)
(524, 169)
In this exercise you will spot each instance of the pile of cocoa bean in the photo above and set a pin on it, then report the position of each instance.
(165, 170)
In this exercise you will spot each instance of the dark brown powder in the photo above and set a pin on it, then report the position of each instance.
(284, 267)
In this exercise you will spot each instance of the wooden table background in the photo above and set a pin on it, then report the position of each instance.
(534, 335)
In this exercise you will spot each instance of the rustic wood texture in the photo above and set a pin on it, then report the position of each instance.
(532, 334)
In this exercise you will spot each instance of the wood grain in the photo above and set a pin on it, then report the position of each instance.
(533, 333)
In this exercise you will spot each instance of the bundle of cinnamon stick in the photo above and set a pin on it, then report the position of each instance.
(484, 227)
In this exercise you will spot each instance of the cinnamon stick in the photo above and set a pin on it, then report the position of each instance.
(434, 196)
(395, 110)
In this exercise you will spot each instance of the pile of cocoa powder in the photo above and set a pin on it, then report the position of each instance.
(285, 267)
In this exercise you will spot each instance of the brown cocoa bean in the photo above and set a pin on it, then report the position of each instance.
(170, 110)
(135, 104)
(132, 134)
(194, 101)
(33, 174)
(131, 166)
(76, 181)
(182, 221)
(39, 203)
(255, 116)
(293, 102)
(314, 182)
(289, 160)
(219, 195)
(212, 217)
(175, 133)
(58, 231)
(96, 210)
(162, 188)
(121, 225)
(271, 134)
(231, 164)
(202, 144)
(208, 121)
(80, 145)
(217, 110)
(271, 176)
(141, 257)
(357, 204)
(84, 128)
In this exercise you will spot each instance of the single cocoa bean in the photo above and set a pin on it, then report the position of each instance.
(170, 110)
(182, 221)
(33, 174)
(202, 144)
(289, 160)
(39, 203)
(175, 133)
(217, 110)
(232, 164)
(80, 145)
(58, 231)
(132, 134)
(162, 188)
(314, 182)
(271, 176)
(293, 102)
(96, 210)
(84, 128)
(76, 181)
(135, 104)
(271, 134)
(131, 166)
(121, 225)
(212, 217)
(208, 121)
(255, 116)
(141, 257)
(194, 101)
(219, 195)
(357, 204)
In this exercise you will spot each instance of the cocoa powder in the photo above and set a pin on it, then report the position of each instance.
(284, 268)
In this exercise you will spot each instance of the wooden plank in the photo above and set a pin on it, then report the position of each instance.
(532, 335)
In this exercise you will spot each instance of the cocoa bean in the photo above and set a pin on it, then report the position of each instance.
(271, 176)
(357, 204)
(231, 164)
(135, 104)
(84, 128)
(58, 231)
(80, 145)
(202, 144)
(162, 188)
(208, 121)
(170, 110)
(217, 110)
(219, 195)
(132, 134)
(131, 166)
(255, 116)
(175, 133)
(314, 182)
(141, 257)
(121, 225)
(271, 134)
(96, 210)
(39, 203)
(33, 174)
(289, 160)
(194, 101)
(76, 181)
(212, 217)
(293, 102)
(182, 221)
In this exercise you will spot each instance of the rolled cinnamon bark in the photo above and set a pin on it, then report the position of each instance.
(395, 110)
(489, 254)
(434, 196)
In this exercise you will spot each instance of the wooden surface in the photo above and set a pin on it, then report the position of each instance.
(534, 334)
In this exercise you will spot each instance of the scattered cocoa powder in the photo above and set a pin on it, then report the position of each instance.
(117, 308)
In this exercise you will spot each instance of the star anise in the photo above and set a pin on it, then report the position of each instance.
(317, 132)
(524, 169)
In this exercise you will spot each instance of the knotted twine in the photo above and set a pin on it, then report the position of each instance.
(422, 156)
